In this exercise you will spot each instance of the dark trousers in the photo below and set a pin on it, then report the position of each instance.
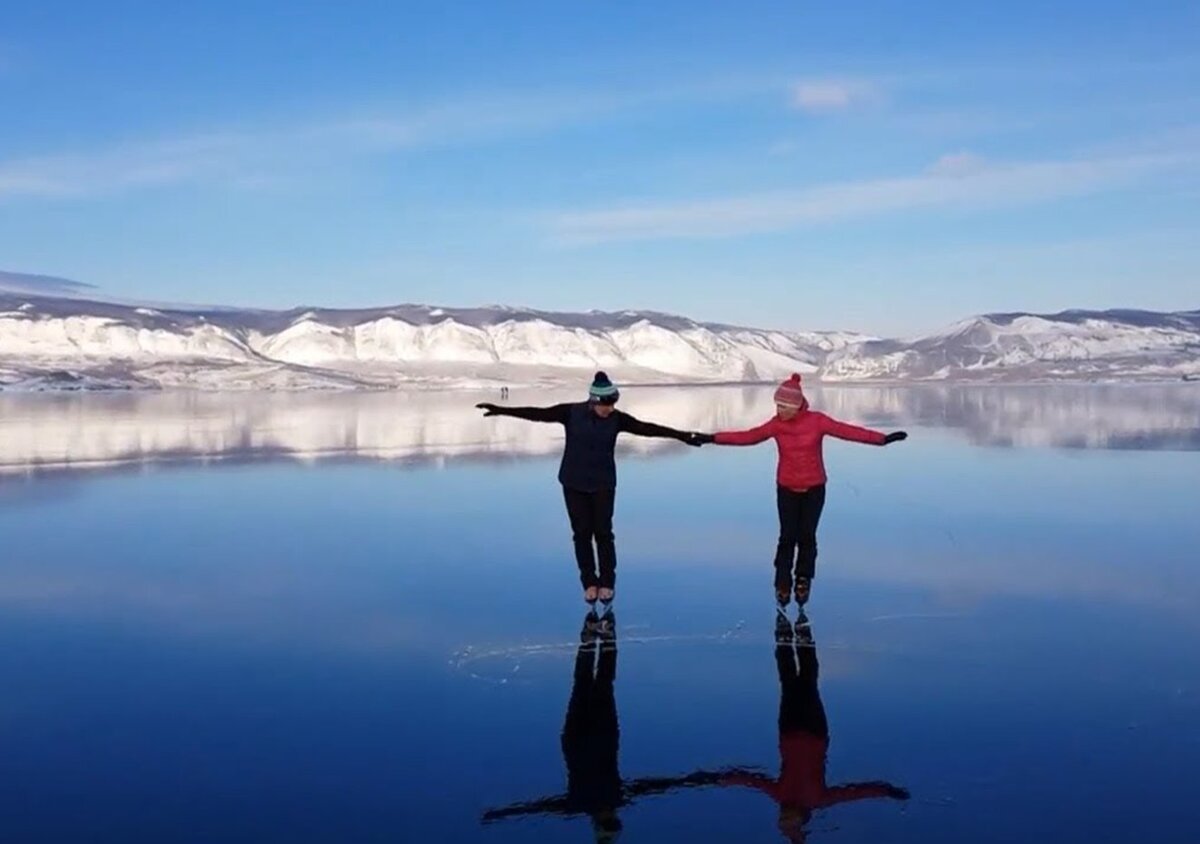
(800, 707)
(591, 735)
(799, 515)
(591, 516)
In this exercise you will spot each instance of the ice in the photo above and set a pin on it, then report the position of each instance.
(442, 425)
(358, 617)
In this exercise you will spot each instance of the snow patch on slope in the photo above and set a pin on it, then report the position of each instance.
(415, 345)
(1075, 344)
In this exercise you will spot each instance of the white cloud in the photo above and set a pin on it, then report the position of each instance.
(41, 284)
(957, 164)
(249, 157)
(177, 161)
(824, 95)
(955, 182)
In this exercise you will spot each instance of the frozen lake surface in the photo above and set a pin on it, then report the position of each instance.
(327, 617)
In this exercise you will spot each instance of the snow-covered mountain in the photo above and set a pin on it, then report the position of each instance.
(59, 342)
(1119, 344)
(51, 342)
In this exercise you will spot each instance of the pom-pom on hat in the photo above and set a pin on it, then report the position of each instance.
(603, 390)
(790, 393)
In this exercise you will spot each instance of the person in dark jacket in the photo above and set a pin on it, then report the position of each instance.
(800, 478)
(591, 738)
(588, 473)
(801, 788)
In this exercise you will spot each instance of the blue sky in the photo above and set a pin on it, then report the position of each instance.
(878, 166)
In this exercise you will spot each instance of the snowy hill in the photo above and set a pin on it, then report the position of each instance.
(47, 342)
(1118, 344)
(58, 343)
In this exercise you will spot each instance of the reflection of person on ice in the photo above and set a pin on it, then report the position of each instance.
(588, 473)
(800, 495)
(590, 745)
(804, 741)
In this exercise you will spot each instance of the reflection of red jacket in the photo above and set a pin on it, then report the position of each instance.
(801, 783)
(801, 463)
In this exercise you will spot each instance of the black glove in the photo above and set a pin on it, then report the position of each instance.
(897, 793)
(488, 408)
(697, 439)
(895, 437)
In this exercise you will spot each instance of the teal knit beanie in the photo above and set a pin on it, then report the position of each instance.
(603, 391)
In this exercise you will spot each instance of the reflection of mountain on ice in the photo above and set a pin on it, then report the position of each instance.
(1063, 416)
(100, 429)
(77, 431)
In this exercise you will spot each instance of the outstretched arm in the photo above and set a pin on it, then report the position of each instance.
(844, 431)
(635, 426)
(660, 785)
(545, 806)
(748, 778)
(753, 436)
(556, 413)
(863, 791)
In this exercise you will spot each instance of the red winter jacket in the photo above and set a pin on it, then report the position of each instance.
(801, 783)
(801, 463)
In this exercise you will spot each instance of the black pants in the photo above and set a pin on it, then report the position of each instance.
(799, 515)
(591, 521)
(800, 707)
(591, 735)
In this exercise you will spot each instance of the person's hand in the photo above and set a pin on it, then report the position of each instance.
(895, 437)
(488, 408)
(695, 438)
(897, 793)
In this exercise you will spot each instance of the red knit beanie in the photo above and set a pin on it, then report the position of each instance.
(791, 393)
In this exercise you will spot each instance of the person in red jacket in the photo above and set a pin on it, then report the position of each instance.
(801, 788)
(800, 479)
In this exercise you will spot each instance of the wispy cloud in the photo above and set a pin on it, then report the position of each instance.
(784, 147)
(41, 284)
(959, 181)
(958, 164)
(250, 156)
(175, 161)
(831, 94)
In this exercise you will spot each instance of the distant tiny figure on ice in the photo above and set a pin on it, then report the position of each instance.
(800, 479)
(588, 473)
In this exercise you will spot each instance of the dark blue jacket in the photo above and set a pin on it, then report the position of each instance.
(588, 462)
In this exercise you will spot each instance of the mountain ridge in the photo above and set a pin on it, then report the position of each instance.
(58, 342)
